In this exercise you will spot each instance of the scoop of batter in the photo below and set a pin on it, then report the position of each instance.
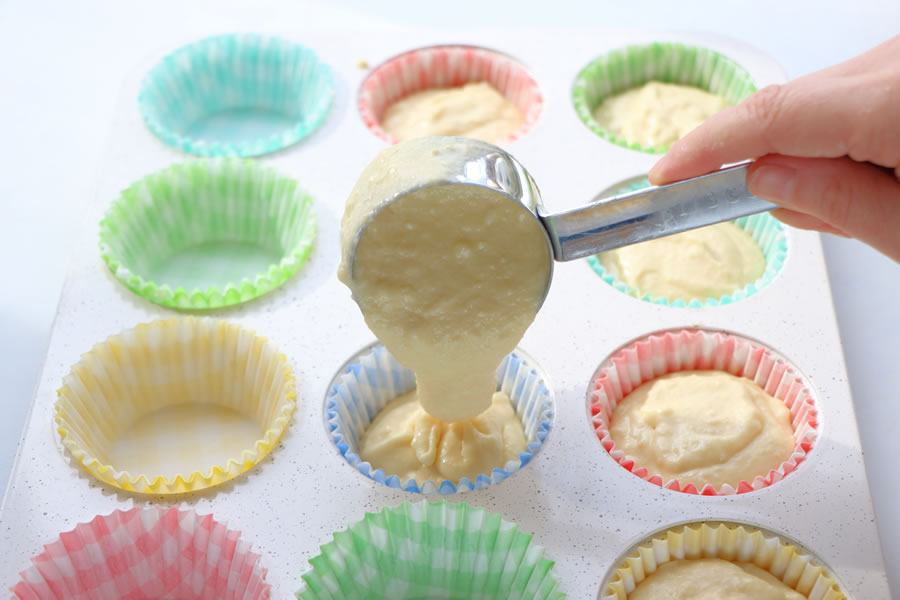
(712, 579)
(448, 277)
(406, 441)
(703, 427)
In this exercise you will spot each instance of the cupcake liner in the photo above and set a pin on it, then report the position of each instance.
(728, 541)
(170, 395)
(634, 66)
(145, 553)
(692, 350)
(431, 550)
(443, 67)
(373, 378)
(766, 231)
(236, 95)
(208, 233)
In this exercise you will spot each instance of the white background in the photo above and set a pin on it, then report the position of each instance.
(61, 69)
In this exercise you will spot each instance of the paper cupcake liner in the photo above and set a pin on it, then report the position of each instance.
(693, 350)
(236, 85)
(171, 216)
(634, 66)
(431, 550)
(174, 391)
(766, 231)
(145, 553)
(443, 67)
(729, 541)
(373, 378)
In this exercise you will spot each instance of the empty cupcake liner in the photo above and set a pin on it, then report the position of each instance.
(728, 541)
(236, 95)
(634, 66)
(692, 350)
(766, 231)
(431, 550)
(444, 67)
(216, 232)
(173, 393)
(372, 378)
(146, 553)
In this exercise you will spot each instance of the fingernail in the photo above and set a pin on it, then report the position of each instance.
(772, 182)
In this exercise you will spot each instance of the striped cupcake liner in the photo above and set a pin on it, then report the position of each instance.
(208, 233)
(431, 550)
(694, 350)
(668, 62)
(175, 406)
(372, 378)
(795, 567)
(767, 231)
(145, 553)
(448, 66)
(236, 95)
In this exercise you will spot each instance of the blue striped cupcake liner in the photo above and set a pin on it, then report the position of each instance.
(766, 231)
(236, 95)
(372, 378)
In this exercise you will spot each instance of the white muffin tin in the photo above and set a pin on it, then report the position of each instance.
(583, 507)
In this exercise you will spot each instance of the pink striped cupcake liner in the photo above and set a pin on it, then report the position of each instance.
(146, 553)
(693, 350)
(448, 66)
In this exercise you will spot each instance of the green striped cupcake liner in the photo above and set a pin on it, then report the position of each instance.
(236, 95)
(667, 62)
(766, 231)
(431, 550)
(208, 233)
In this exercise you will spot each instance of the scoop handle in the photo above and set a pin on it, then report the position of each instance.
(651, 213)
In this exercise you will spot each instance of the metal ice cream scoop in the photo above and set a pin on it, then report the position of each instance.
(602, 225)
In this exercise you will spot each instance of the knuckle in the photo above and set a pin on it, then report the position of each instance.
(765, 106)
(835, 199)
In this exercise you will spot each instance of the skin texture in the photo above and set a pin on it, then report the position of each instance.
(827, 147)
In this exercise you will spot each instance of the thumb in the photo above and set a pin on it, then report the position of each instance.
(858, 199)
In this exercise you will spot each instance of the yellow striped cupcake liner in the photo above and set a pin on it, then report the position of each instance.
(175, 405)
(728, 541)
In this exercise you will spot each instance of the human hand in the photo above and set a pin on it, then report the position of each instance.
(827, 147)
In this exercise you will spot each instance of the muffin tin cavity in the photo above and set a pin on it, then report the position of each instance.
(678, 350)
(448, 66)
(175, 406)
(236, 95)
(372, 378)
(208, 233)
(766, 231)
(786, 560)
(668, 62)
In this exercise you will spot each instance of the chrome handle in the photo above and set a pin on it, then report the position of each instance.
(651, 213)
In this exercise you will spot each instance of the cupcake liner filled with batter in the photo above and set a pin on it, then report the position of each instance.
(208, 233)
(373, 378)
(695, 351)
(146, 553)
(498, 80)
(735, 546)
(631, 67)
(765, 231)
(431, 550)
(176, 405)
(236, 95)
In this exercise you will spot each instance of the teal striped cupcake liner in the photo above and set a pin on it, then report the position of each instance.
(373, 378)
(208, 233)
(667, 62)
(431, 550)
(236, 95)
(768, 233)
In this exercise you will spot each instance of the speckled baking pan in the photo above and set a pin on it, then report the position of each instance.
(573, 497)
